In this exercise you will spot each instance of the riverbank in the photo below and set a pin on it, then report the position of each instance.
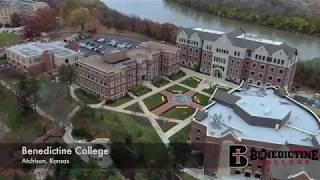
(294, 23)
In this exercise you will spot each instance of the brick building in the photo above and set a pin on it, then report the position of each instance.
(114, 74)
(35, 58)
(259, 118)
(238, 56)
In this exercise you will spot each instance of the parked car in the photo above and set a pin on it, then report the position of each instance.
(129, 46)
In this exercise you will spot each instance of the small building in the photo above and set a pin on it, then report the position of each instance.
(34, 58)
(261, 118)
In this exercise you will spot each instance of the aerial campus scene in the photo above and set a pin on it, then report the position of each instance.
(159, 89)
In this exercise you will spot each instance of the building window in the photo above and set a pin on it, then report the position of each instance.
(237, 172)
(262, 66)
(270, 78)
(197, 138)
(278, 80)
(280, 71)
(254, 65)
(271, 69)
(257, 176)
(260, 75)
(247, 174)
(252, 73)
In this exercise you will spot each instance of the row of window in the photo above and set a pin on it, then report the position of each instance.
(269, 59)
(270, 78)
(219, 60)
(222, 51)
(188, 41)
(236, 53)
(217, 66)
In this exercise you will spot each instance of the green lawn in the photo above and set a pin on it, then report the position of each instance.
(201, 99)
(177, 113)
(191, 82)
(134, 108)
(140, 91)
(160, 82)
(120, 101)
(177, 76)
(86, 97)
(177, 89)
(185, 176)
(154, 101)
(55, 99)
(144, 139)
(211, 90)
(182, 136)
(8, 39)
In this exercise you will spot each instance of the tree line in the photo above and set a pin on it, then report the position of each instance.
(284, 18)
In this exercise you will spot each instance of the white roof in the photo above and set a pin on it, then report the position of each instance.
(254, 37)
(299, 129)
(209, 30)
(33, 49)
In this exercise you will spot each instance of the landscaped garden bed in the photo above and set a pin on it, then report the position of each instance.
(177, 76)
(191, 82)
(177, 89)
(179, 112)
(212, 89)
(134, 108)
(155, 101)
(201, 99)
(140, 91)
(160, 82)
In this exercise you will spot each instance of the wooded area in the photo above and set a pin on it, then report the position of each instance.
(279, 14)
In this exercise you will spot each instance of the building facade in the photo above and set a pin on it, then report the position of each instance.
(238, 56)
(111, 76)
(261, 119)
(5, 14)
(34, 58)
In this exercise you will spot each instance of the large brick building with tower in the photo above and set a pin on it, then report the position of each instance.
(113, 75)
(35, 58)
(238, 56)
(263, 118)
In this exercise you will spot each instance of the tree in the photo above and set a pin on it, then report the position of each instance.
(15, 20)
(67, 76)
(43, 20)
(80, 16)
(27, 94)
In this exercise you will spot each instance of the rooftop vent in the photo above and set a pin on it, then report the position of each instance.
(216, 121)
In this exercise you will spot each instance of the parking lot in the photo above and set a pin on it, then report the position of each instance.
(104, 44)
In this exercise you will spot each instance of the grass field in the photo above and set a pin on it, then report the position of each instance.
(86, 97)
(140, 91)
(8, 39)
(177, 89)
(177, 113)
(55, 100)
(160, 82)
(120, 101)
(211, 90)
(182, 136)
(191, 82)
(154, 101)
(201, 99)
(134, 108)
(165, 126)
(144, 139)
(177, 76)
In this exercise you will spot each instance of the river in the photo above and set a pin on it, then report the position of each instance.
(161, 11)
